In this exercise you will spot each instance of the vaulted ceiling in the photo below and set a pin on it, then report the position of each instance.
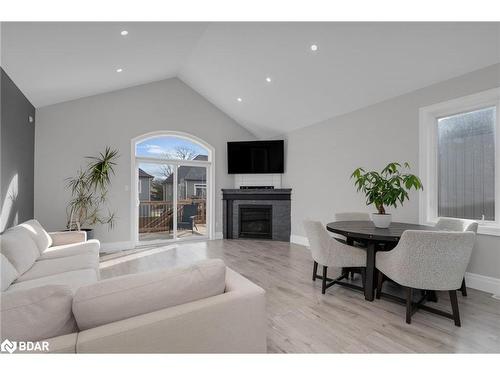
(264, 75)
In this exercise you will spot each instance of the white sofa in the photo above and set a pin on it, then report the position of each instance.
(51, 292)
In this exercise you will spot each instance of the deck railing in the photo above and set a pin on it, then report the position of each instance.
(157, 216)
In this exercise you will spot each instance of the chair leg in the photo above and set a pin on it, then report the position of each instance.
(315, 270)
(463, 288)
(432, 296)
(363, 277)
(323, 286)
(408, 305)
(380, 281)
(454, 307)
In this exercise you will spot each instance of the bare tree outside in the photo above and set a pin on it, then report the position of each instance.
(179, 153)
(185, 153)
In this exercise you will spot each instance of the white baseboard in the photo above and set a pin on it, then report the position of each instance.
(112, 247)
(299, 240)
(473, 280)
(483, 283)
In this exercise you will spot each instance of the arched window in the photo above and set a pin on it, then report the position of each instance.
(173, 180)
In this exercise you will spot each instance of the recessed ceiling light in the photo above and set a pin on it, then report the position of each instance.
(119, 70)
(239, 99)
(314, 47)
(124, 32)
(268, 79)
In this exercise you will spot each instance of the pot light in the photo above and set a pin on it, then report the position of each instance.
(124, 32)
(314, 47)
(119, 70)
(239, 99)
(268, 79)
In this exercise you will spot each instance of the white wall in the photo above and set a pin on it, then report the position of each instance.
(67, 132)
(321, 157)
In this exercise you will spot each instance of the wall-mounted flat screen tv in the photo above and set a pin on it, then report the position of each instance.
(255, 157)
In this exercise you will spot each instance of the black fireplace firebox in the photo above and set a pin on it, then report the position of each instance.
(256, 221)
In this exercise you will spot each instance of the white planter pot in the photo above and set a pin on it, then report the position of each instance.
(382, 221)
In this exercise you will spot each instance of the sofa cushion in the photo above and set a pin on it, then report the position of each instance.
(19, 248)
(47, 267)
(7, 273)
(37, 314)
(39, 235)
(68, 237)
(131, 295)
(90, 246)
(72, 279)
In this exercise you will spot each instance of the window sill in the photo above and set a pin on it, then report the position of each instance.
(483, 229)
(488, 230)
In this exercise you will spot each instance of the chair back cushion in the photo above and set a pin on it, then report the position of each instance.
(319, 242)
(459, 225)
(19, 248)
(429, 260)
(8, 273)
(39, 235)
(37, 314)
(123, 297)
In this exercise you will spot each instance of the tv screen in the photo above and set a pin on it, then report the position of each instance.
(255, 157)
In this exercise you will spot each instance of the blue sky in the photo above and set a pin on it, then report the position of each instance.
(161, 146)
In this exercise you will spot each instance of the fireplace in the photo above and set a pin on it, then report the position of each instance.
(256, 213)
(256, 221)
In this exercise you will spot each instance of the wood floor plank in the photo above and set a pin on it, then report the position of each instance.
(302, 320)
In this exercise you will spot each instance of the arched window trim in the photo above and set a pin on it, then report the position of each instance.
(210, 164)
(175, 134)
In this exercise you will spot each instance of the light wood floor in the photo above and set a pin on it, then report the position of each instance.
(302, 320)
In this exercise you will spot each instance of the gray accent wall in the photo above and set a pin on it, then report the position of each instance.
(17, 154)
(67, 132)
(321, 157)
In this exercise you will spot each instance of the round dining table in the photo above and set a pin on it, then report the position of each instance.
(375, 239)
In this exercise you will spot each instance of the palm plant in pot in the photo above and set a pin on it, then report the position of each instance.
(389, 187)
(89, 189)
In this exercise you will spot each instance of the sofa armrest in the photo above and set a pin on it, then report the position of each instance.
(68, 237)
(232, 322)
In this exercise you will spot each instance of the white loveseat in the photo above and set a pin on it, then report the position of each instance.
(51, 292)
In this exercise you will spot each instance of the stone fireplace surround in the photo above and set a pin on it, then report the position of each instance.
(279, 199)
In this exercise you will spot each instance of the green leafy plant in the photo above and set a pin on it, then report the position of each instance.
(387, 188)
(89, 189)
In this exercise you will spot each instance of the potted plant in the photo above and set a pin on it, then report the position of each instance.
(387, 188)
(89, 189)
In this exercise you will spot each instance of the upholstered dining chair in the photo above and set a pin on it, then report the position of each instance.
(428, 261)
(350, 216)
(329, 252)
(459, 225)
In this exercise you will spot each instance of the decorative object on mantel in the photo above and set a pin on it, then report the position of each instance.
(386, 188)
(89, 189)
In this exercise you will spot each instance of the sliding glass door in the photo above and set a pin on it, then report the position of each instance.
(191, 201)
(156, 201)
(173, 181)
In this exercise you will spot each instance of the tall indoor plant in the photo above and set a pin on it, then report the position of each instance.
(386, 188)
(89, 189)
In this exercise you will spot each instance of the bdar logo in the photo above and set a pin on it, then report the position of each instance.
(8, 346)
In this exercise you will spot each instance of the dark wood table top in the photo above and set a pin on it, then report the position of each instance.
(366, 230)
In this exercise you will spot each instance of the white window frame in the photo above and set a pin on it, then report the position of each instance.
(195, 186)
(134, 198)
(428, 153)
